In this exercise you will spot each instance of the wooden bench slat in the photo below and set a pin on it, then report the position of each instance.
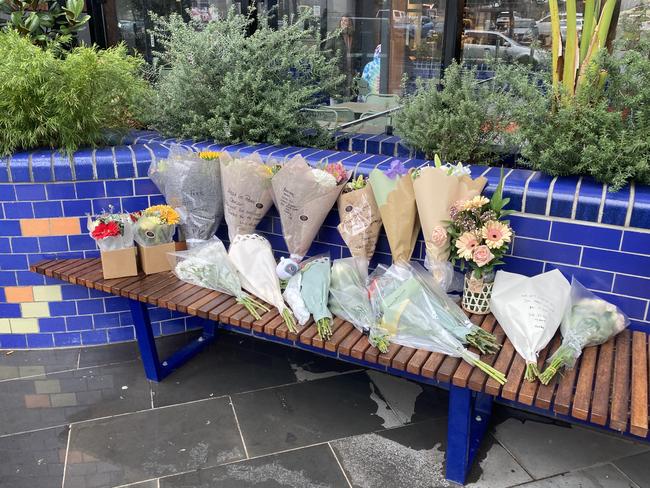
(79, 268)
(386, 358)
(371, 354)
(182, 297)
(447, 369)
(317, 341)
(67, 268)
(258, 325)
(544, 394)
(432, 364)
(270, 327)
(585, 384)
(154, 296)
(464, 369)
(515, 378)
(168, 300)
(478, 378)
(90, 280)
(564, 393)
(245, 319)
(183, 306)
(345, 347)
(307, 335)
(416, 362)
(301, 329)
(204, 310)
(61, 263)
(402, 358)
(133, 290)
(193, 308)
(529, 388)
(41, 266)
(639, 407)
(600, 400)
(222, 307)
(621, 385)
(503, 363)
(227, 316)
(360, 347)
(87, 270)
(338, 336)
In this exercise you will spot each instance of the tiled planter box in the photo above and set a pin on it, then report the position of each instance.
(572, 224)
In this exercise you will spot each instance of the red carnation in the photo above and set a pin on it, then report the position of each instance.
(104, 230)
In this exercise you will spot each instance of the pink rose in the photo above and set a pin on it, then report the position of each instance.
(439, 236)
(482, 255)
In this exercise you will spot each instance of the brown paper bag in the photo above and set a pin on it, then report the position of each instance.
(360, 221)
(153, 259)
(302, 203)
(247, 193)
(119, 263)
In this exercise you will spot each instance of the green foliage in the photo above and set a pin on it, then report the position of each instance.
(603, 131)
(458, 122)
(45, 22)
(217, 82)
(64, 102)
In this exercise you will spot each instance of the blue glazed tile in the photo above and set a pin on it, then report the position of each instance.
(90, 189)
(373, 144)
(98, 294)
(121, 334)
(27, 278)
(93, 305)
(537, 194)
(523, 266)
(83, 165)
(67, 339)
(77, 208)
(104, 204)
(632, 286)
(30, 192)
(402, 150)
(546, 251)
(7, 193)
(334, 252)
(61, 191)
(116, 304)
(3, 298)
(530, 227)
(91, 254)
(156, 200)
(638, 242)
(589, 200)
(142, 159)
(640, 326)
(53, 243)
(359, 142)
(73, 292)
(81, 242)
(592, 279)
(124, 162)
(10, 228)
(9, 310)
(616, 205)
(158, 314)
(59, 309)
(632, 264)
(513, 188)
(13, 262)
(8, 278)
(94, 337)
(104, 164)
(62, 167)
(144, 186)
(343, 143)
(77, 323)
(5, 244)
(389, 146)
(13, 341)
(106, 320)
(18, 210)
(134, 204)
(42, 165)
(19, 167)
(633, 307)
(172, 326)
(127, 319)
(51, 324)
(4, 169)
(564, 193)
(586, 235)
(40, 340)
(25, 244)
(48, 209)
(119, 188)
(641, 212)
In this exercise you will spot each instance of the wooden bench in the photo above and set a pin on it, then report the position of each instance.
(608, 388)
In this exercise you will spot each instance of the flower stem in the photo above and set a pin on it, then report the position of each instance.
(381, 342)
(551, 370)
(323, 326)
(252, 305)
(483, 341)
(289, 320)
(497, 375)
(532, 372)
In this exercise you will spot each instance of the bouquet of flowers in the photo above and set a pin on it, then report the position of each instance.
(247, 197)
(360, 219)
(155, 225)
(479, 234)
(292, 295)
(413, 311)
(111, 231)
(304, 196)
(208, 265)
(437, 188)
(191, 184)
(529, 311)
(253, 257)
(315, 292)
(589, 321)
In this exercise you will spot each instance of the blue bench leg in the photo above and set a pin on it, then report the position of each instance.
(156, 370)
(469, 415)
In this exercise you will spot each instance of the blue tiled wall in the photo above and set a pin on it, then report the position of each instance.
(572, 225)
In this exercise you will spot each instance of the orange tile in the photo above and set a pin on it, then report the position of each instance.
(35, 227)
(64, 226)
(19, 294)
(37, 401)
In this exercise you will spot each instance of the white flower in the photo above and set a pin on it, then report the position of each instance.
(323, 178)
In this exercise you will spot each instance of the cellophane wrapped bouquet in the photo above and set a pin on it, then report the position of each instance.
(588, 321)
(437, 188)
(155, 225)
(415, 312)
(191, 184)
(304, 195)
(207, 265)
(111, 230)
(315, 290)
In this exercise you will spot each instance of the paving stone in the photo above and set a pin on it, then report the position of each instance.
(637, 468)
(141, 446)
(20, 364)
(606, 476)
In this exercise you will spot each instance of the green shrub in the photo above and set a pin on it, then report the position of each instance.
(217, 82)
(460, 122)
(65, 102)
